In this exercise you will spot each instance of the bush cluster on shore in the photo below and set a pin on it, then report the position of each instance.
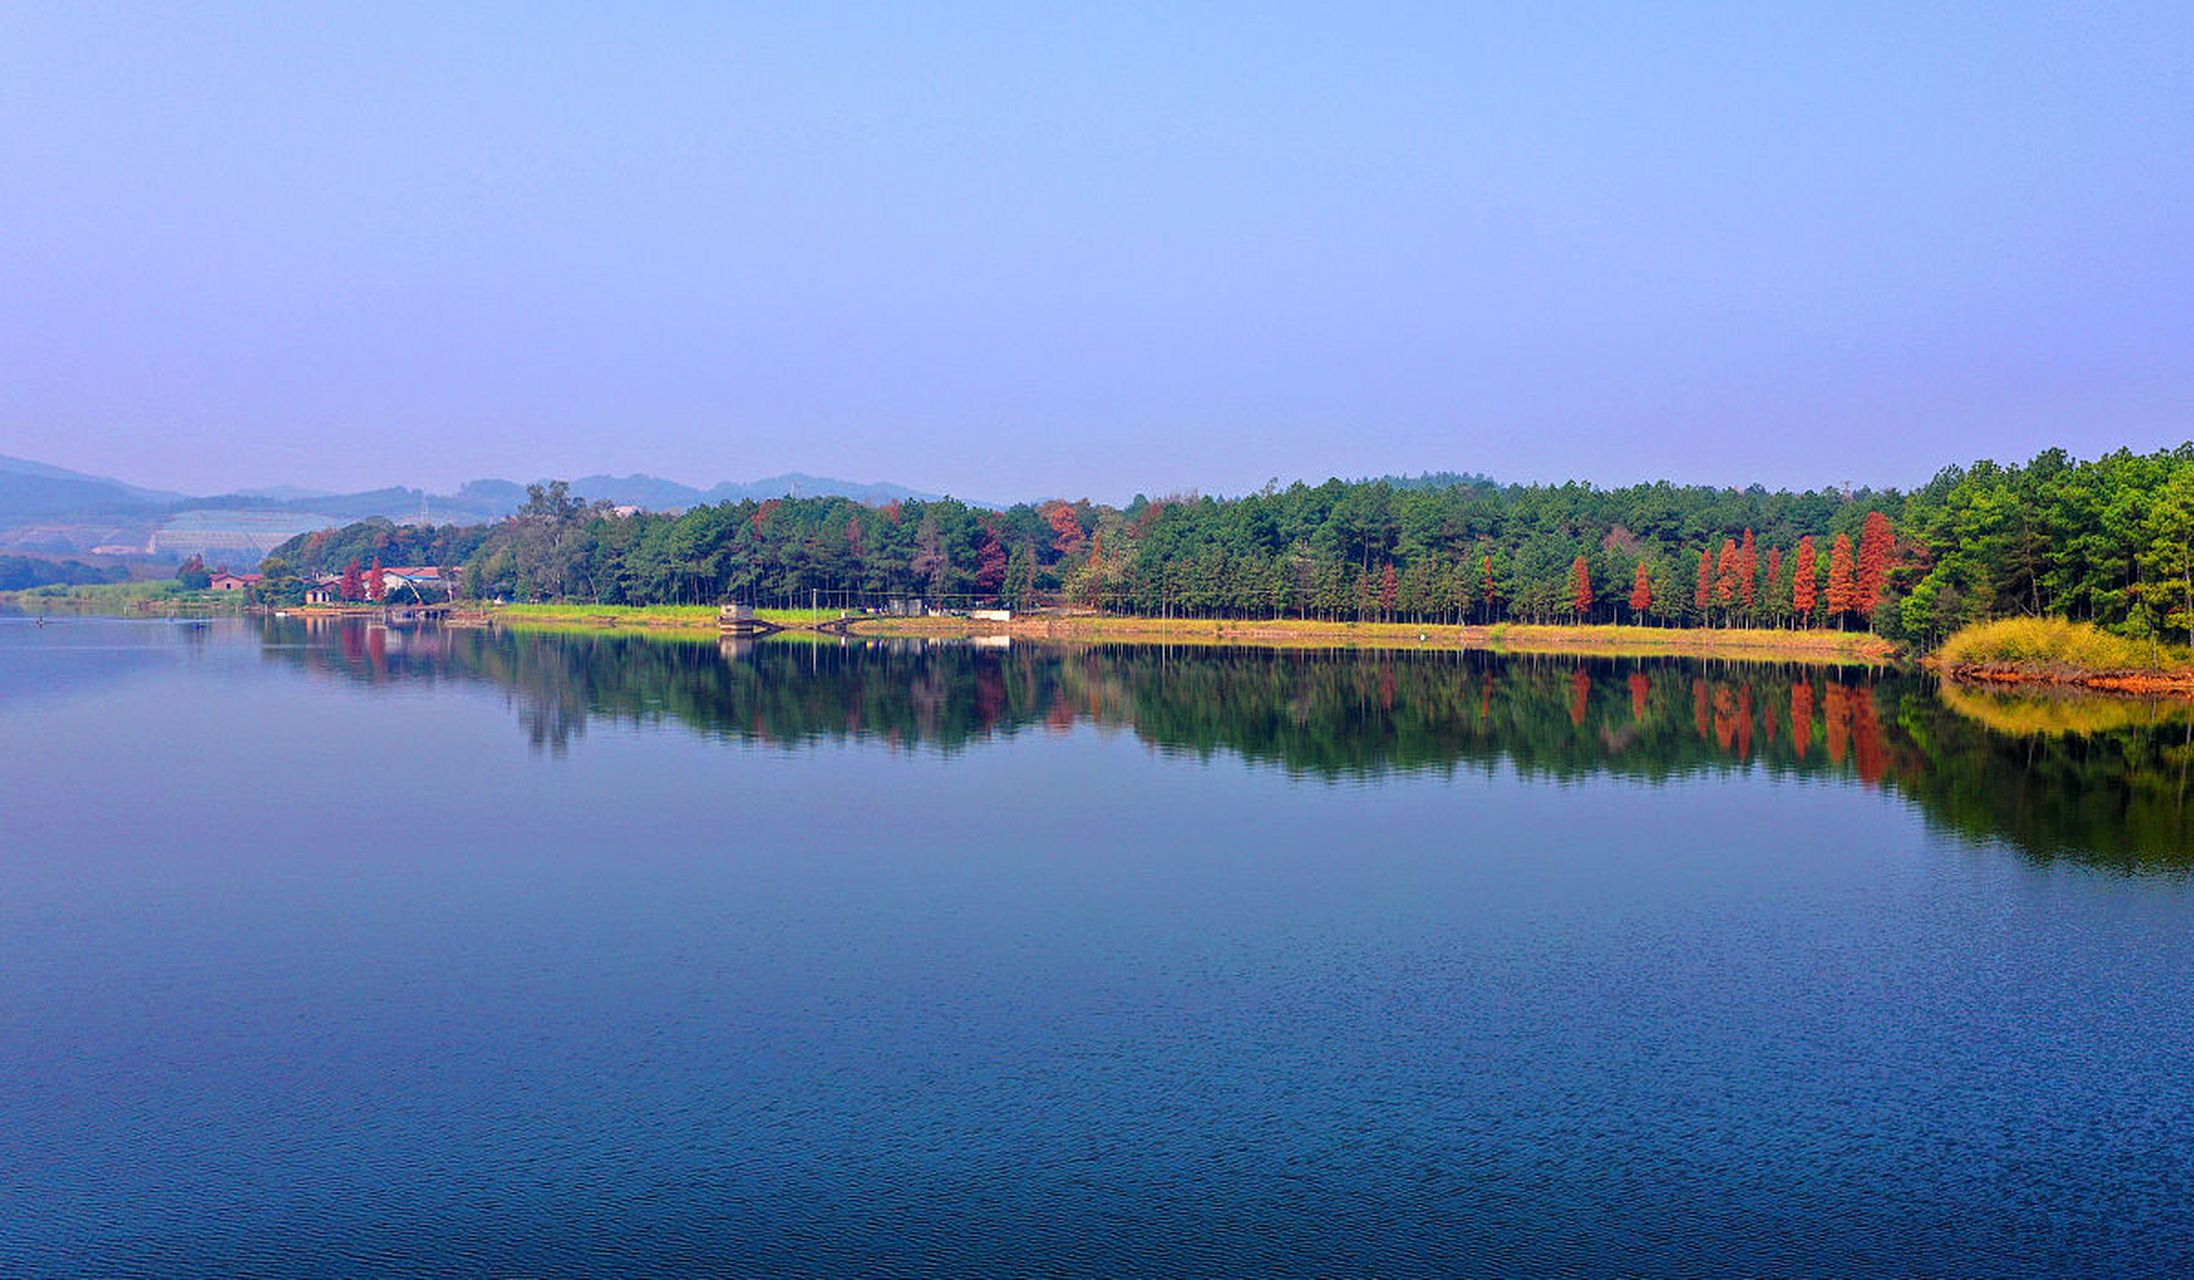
(2057, 644)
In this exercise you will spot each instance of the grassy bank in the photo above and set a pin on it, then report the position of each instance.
(117, 597)
(2053, 651)
(1759, 645)
(653, 617)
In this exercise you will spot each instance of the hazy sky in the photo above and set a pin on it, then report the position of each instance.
(1019, 250)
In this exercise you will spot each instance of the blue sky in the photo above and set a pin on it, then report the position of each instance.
(1020, 250)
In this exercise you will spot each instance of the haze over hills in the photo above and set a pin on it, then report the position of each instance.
(50, 510)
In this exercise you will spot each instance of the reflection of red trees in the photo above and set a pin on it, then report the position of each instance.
(1386, 686)
(377, 647)
(990, 695)
(1801, 717)
(1870, 744)
(1580, 695)
(1061, 718)
(1725, 717)
(1744, 722)
(1641, 687)
(1837, 715)
(1699, 714)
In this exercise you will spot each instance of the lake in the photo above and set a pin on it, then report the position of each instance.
(342, 950)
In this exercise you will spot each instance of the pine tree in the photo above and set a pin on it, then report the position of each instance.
(1580, 588)
(1641, 593)
(1877, 545)
(1804, 581)
(1390, 590)
(1843, 592)
(1492, 593)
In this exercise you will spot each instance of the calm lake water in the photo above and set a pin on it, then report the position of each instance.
(343, 952)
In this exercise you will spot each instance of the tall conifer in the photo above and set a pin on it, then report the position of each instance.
(1805, 580)
(1843, 590)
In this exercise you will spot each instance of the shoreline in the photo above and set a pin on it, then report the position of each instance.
(1755, 645)
(2009, 677)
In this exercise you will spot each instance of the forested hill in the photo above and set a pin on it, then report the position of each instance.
(2109, 540)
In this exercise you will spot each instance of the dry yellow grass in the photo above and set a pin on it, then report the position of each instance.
(1749, 644)
(2054, 644)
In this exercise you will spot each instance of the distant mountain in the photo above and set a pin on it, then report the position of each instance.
(35, 489)
(52, 510)
(286, 493)
(806, 486)
(658, 494)
(652, 492)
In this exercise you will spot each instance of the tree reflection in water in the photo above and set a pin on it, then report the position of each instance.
(2093, 780)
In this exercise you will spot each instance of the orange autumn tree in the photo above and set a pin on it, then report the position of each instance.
(1705, 594)
(1580, 588)
(1877, 545)
(1843, 589)
(1641, 593)
(1748, 572)
(1725, 583)
(1805, 581)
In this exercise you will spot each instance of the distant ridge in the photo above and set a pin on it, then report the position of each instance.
(52, 510)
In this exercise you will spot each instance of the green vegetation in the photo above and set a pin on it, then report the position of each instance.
(22, 573)
(2108, 542)
(2055, 644)
(117, 597)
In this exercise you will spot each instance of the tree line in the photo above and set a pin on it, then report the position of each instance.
(2109, 541)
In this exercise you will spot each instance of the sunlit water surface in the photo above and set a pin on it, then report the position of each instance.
(346, 951)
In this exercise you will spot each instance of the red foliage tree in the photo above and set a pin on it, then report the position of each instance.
(1390, 590)
(353, 585)
(1066, 527)
(1748, 572)
(1491, 591)
(1877, 545)
(1725, 578)
(377, 587)
(990, 564)
(1805, 579)
(1705, 594)
(1641, 591)
(1580, 587)
(1843, 589)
